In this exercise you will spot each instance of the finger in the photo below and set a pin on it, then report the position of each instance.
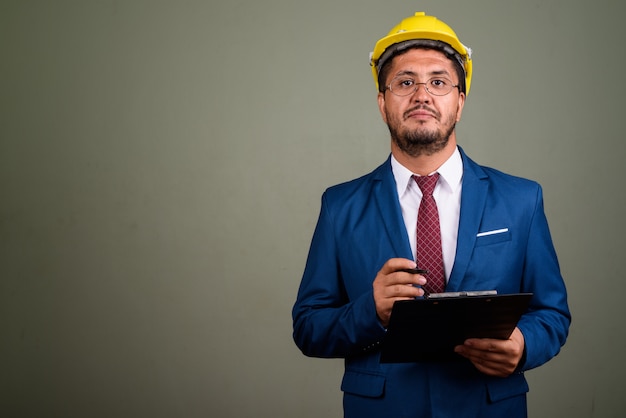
(404, 291)
(395, 264)
(488, 362)
(495, 368)
(486, 345)
(482, 362)
(406, 279)
(492, 369)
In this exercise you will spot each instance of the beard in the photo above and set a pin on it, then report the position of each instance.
(420, 141)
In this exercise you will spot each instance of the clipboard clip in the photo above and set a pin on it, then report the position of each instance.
(469, 293)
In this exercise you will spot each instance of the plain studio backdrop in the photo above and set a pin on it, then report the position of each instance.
(161, 167)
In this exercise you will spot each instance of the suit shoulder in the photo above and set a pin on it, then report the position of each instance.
(349, 187)
(498, 179)
(358, 186)
(502, 180)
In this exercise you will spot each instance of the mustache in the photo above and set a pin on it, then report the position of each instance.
(421, 107)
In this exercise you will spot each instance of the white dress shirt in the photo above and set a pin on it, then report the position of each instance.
(447, 194)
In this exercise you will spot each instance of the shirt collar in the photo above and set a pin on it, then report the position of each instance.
(450, 173)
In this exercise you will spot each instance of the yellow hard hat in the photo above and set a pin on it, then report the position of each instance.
(421, 30)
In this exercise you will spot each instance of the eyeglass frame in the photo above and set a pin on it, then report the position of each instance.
(416, 85)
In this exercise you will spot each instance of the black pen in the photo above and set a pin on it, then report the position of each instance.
(414, 271)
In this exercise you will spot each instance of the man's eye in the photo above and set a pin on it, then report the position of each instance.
(436, 82)
(405, 83)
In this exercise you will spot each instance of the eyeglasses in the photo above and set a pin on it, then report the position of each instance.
(437, 86)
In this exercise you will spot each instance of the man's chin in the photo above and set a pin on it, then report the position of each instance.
(416, 145)
(416, 150)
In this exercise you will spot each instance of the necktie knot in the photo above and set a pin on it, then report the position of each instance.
(427, 183)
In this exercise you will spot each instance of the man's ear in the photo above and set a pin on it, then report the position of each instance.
(459, 110)
(381, 106)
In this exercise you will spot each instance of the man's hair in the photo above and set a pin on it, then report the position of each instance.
(446, 49)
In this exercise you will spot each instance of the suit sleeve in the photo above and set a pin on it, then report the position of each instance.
(326, 322)
(545, 326)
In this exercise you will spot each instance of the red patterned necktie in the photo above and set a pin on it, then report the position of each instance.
(429, 255)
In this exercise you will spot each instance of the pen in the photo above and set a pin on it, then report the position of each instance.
(414, 271)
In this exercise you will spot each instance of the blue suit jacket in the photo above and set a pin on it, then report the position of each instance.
(360, 227)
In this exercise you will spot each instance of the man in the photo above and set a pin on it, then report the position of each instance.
(493, 234)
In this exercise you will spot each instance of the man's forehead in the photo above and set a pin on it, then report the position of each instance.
(423, 56)
(422, 61)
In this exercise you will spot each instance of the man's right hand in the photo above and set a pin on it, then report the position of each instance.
(391, 285)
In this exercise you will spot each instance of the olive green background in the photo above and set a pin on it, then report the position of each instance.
(161, 165)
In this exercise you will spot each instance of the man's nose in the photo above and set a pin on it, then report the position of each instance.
(421, 94)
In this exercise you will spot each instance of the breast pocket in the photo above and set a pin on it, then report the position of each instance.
(493, 237)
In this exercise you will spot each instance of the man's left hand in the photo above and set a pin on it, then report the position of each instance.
(494, 357)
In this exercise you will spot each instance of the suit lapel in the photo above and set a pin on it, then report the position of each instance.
(473, 197)
(386, 198)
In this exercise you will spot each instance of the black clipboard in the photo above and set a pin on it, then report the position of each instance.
(429, 329)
